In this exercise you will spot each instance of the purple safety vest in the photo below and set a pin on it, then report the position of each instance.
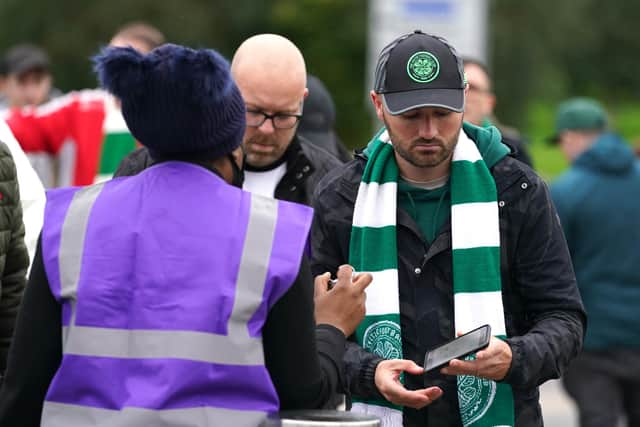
(165, 280)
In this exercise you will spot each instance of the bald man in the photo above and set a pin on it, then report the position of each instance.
(271, 74)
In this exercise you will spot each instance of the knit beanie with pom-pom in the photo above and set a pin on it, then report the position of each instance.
(178, 102)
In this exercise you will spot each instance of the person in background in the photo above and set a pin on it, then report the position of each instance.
(28, 83)
(597, 201)
(32, 195)
(28, 78)
(457, 234)
(84, 130)
(193, 305)
(318, 120)
(14, 258)
(479, 108)
(279, 162)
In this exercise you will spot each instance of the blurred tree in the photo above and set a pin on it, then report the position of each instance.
(548, 50)
(330, 33)
(332, 37)
(541, 51)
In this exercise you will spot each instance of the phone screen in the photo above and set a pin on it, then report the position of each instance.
(459, 347)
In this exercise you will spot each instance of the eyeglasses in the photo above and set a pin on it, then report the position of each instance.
(478, 89)
(255, 118)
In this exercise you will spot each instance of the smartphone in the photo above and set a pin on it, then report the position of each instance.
(457, 348)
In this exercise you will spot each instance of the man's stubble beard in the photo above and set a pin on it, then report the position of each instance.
(260, 159)
(428, 162)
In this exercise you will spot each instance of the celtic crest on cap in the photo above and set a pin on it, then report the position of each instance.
(423, 67)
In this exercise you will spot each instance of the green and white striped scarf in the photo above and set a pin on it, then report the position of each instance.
(475, 236)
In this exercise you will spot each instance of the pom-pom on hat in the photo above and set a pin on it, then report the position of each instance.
(178, 102)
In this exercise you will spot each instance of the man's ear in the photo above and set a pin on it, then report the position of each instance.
(376, 98)
(492, 101)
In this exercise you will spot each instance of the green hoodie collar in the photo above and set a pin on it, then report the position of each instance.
(489, 142)
(486, 123)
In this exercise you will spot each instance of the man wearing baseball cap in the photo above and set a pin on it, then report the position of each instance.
(600, 213)
(457, 234)
(578, 115)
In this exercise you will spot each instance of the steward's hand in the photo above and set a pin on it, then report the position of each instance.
(343, 305)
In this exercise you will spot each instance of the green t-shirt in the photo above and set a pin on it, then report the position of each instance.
(428, 208)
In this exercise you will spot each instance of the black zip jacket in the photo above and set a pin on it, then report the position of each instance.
(544, 316)
(307, 164)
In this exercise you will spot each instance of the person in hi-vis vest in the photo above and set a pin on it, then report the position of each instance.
(174, 297)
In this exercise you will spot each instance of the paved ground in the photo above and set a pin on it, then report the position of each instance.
(558, 409)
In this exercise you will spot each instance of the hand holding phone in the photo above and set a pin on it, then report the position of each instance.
(457, 348)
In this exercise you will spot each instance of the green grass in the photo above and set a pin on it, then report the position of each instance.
(548, 161)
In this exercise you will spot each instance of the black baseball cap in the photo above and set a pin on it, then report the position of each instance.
(420, 70)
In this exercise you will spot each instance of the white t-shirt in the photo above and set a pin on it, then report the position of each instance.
(264, 182)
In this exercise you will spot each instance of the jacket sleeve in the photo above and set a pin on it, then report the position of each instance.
(304, 360)
(134, 163)
(35, 354)
(47, 127)
(330, 231)
(16, 257)
(41, 130)
(329, 243)
(544, 277)
(563, 193)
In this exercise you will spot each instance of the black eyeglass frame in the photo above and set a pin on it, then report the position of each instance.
(273, 118)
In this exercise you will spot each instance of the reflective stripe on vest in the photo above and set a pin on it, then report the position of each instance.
(74, 229)
(236, 348)
(56, 414)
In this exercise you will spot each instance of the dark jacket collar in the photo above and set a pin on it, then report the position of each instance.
(297, 161)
